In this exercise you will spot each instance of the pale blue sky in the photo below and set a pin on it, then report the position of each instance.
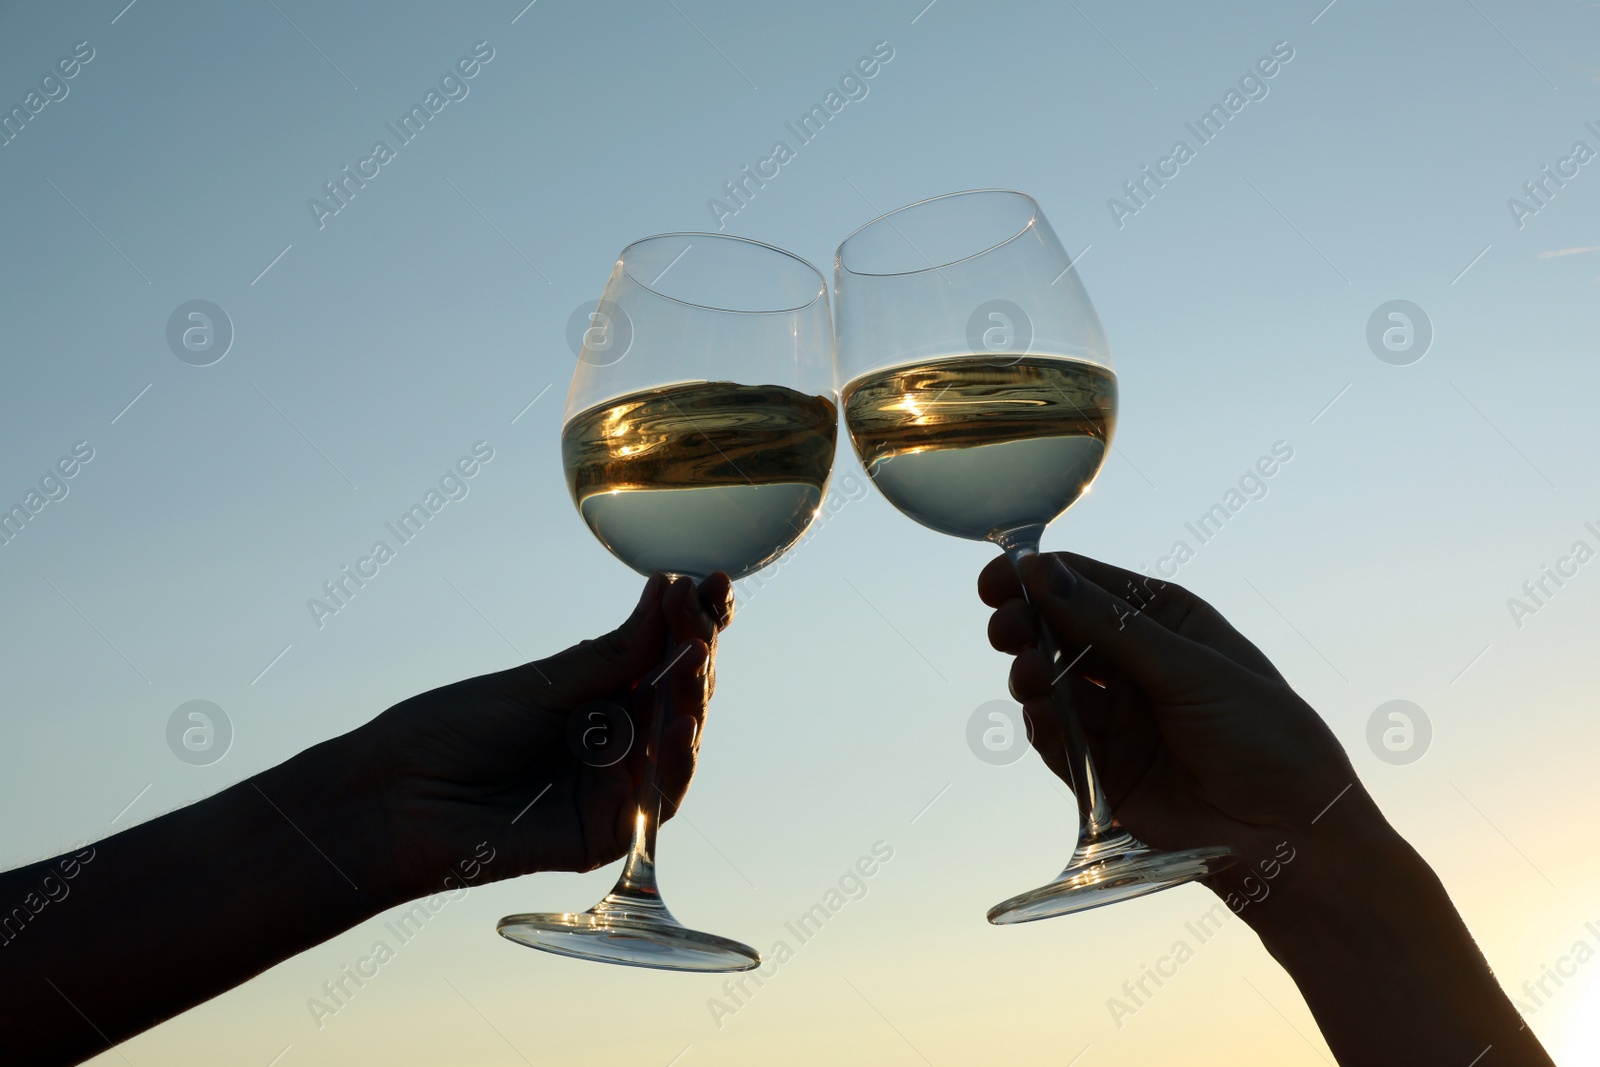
(424, 316)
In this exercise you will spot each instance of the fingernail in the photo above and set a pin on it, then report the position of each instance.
(1063, 583)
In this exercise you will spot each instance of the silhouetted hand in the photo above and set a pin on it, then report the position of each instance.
(455, 766)
(1200, 741)
(1197, 737)
(466, 784)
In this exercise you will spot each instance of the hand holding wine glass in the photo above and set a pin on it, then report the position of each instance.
(1199, 739)
(465, 762)
(981, 401)
(699, 439)
(465, 784)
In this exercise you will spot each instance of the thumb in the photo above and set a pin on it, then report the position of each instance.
(1088, 621)
(603, 665)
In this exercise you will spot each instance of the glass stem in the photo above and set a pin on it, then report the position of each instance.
(639, 873)
(1093, 808)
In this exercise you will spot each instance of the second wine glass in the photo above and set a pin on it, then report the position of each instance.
(699, 437)
(980, 398)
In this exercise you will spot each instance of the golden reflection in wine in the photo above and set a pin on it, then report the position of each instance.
(983, 446)
(703, 476)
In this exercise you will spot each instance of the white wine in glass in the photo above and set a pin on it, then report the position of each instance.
(699, 437)
(978, 448)
(701, 477)
(981, 401)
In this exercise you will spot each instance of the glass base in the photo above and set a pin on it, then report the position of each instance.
(1107, 869)
(634, 931)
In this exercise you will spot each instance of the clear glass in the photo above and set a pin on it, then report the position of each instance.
(980, 396)
(699, 436)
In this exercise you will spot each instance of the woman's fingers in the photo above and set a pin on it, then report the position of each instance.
(1013, 627)
(716, 594)
(687, 615)
(684, 669)
(689, 680)
(1044, 734)
(698, 611)
(997, 582)
(694, 616)
(1030, 676)
(1085, 618)
(1176, 608)
(618, 659)
(1034, 687)
(599, 667)
(1172, 606)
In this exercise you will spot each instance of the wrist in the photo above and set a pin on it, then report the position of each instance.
(1370, 936)
(1351, 886)
(331, 796)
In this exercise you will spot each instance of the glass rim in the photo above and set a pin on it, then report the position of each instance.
(622, 261)
(1033, 218)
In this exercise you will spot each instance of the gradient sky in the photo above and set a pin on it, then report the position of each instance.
(372, 352)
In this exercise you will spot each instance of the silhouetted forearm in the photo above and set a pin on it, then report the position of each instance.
(1393, 976)
(168, 914)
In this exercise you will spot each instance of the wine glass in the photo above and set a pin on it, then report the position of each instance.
(980, 398)
(699, 437)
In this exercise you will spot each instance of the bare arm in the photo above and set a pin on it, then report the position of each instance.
(112, 939)
(1202, 742)
(170, 913)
